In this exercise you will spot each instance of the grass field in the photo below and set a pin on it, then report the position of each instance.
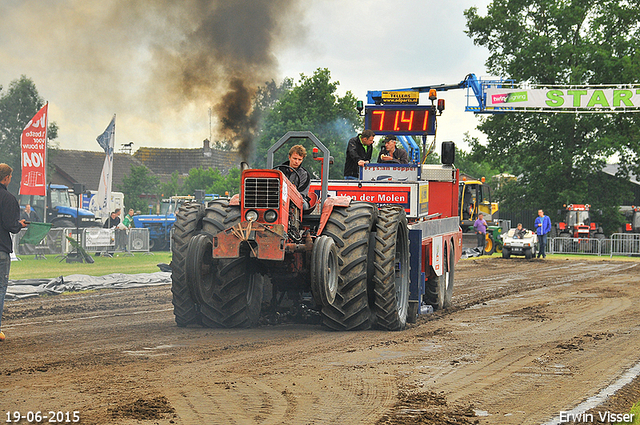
(30, 268)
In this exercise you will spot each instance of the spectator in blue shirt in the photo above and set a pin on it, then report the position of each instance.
(542, 226)
(481, 231)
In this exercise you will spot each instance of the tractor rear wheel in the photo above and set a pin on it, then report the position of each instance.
(187, 225)
(439, 289)
(391, 275)
(349, 228)
(219, 216)
(489, 245)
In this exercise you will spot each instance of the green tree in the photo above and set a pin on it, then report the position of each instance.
(172, 187)
(211, 180)
(139, 182)
(558, 156)
(312, 104)
(17, 106)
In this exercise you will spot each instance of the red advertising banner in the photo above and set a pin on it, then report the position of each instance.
(33, 155)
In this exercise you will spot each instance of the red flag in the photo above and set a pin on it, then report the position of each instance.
(33, 155)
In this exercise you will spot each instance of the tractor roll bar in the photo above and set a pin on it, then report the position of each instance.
(305, 135)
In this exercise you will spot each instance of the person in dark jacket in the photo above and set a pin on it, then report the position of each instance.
(28, 214)
(389, 153)
(359, 151)
(10, 222)
(112, 221)
(296, 173)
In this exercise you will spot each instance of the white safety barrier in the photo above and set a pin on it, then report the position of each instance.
(618, 244)
(92, 239)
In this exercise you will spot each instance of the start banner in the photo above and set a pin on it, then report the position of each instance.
(33, 142)
(585, 99)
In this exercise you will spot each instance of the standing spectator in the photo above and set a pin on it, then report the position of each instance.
(390, 153)
(481, 231)
(10, 222)
(359, 151)
(543, 226)
(128, 219)
(28, 214)
(112, 221)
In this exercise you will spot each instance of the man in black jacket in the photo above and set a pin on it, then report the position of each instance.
(390, 153)
(359, 150)
(9, 223)
(296, 173)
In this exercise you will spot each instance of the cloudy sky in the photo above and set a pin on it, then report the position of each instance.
(161, 65)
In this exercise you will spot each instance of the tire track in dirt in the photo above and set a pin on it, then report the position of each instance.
(350, 390)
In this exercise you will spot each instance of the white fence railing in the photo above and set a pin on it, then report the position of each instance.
(92, 239)
(617, 244)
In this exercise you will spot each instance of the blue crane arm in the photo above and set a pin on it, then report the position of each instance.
(470, 82)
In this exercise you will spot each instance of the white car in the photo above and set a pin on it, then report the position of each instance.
(519, 246)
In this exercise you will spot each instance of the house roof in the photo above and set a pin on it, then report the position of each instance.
(71, 166)
(164, 161)
(612, 169)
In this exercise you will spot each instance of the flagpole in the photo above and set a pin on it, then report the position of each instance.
(46, 161)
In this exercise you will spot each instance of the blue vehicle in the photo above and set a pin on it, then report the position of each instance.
(160, 224)
(60, 211)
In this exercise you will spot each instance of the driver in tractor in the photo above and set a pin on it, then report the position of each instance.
(296, 173)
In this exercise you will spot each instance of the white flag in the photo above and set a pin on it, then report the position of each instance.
(100, 204)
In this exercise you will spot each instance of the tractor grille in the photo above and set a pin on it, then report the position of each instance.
(261, 193)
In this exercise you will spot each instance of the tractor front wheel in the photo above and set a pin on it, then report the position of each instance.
(236, 295)
(349, 228)
(324, 271)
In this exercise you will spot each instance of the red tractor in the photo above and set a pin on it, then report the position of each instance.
(354, 263)
(633, 215)
(577, 224)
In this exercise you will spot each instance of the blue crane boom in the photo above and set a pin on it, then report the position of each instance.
(471, 82)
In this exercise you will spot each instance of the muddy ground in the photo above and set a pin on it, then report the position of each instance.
(524, 341)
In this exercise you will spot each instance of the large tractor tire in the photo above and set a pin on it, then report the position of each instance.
(229, 292)
(188, 224)
(324, 271)
(391, 275)
(219, 216)
(489, 245)
(236, 295)
(350, 228)
(439, 289)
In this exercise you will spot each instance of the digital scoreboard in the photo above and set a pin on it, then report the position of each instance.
(409, 120)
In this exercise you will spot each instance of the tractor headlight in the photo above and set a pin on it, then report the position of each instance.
(251, 215)
(270, 216)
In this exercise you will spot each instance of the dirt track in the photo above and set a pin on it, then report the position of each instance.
(524, 341)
